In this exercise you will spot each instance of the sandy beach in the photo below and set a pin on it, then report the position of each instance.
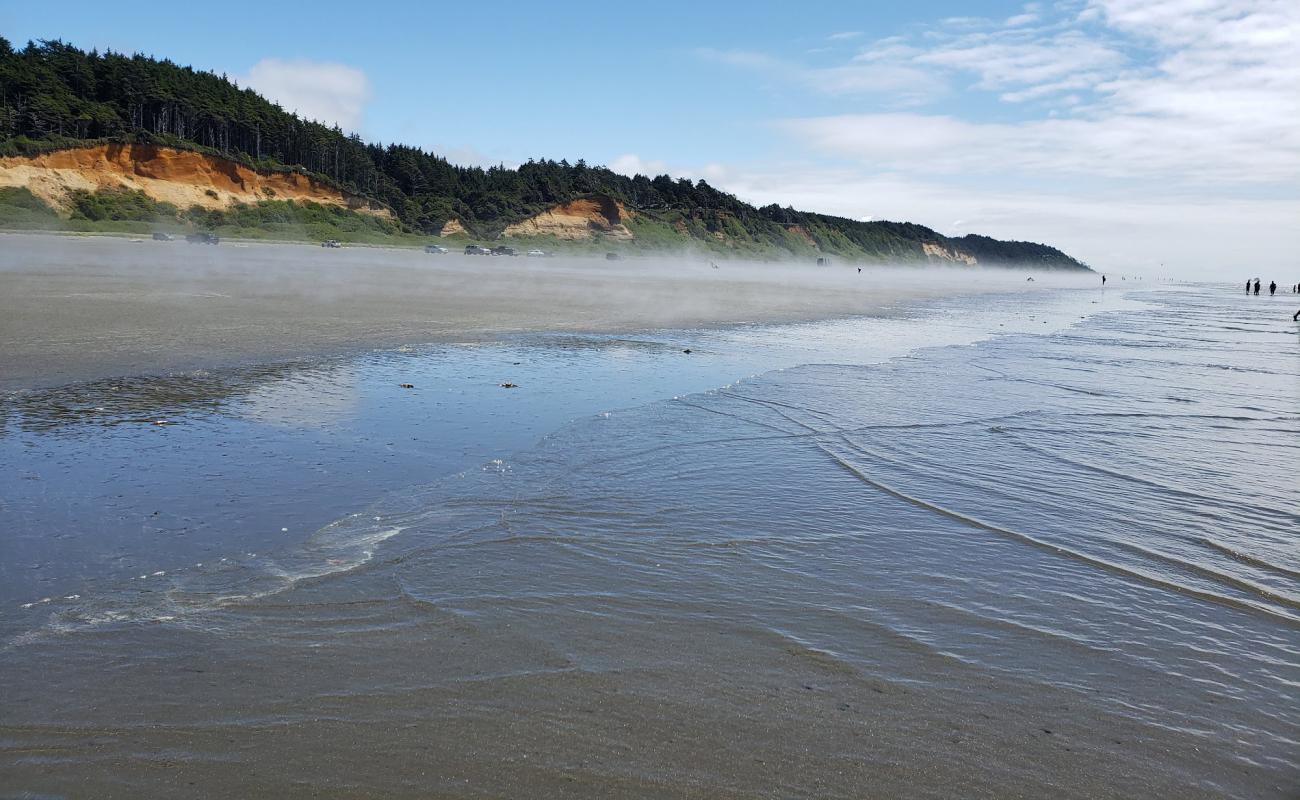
(293, 521)
(80, 308)
(963, 544)
(704, 403)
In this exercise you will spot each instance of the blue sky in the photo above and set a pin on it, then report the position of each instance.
(575, 79)
(1124, 131)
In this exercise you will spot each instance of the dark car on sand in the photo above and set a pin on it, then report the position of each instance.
(203, 238)
(475, 250)
(502, 250)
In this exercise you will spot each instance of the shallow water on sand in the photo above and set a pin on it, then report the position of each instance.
(122, 478)
(1055, 563)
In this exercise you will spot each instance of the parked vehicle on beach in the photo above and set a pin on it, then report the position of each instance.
(162, 237)
(536, 254)
(331, 243)
(613, 257)
(434, 248)
(475, 250)
(502, 250)
(203, 237)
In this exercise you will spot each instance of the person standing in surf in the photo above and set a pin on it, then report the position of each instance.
(1257, 287)
(1272, 288)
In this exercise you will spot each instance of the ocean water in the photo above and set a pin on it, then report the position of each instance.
(1040, 545)
(108, 481)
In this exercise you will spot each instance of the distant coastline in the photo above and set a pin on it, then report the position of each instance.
(145, 145)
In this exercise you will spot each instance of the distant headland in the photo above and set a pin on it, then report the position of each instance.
(106, 141)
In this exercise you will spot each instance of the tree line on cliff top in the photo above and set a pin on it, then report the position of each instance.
(54, 95)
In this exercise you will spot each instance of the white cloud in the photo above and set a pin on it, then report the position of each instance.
(1029, 16)
(964, 22)
(323, 91)
(1119, 147)
(469, 156)
(1019, 59)
(844, 35)
(630, 164)
(1193, 91)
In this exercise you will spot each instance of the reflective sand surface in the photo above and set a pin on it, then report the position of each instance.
(1055, 563)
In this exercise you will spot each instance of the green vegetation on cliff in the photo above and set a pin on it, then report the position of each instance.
(126, 211)
(53, 95)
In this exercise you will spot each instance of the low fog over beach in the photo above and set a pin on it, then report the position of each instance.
(78, 308)
(287, 519)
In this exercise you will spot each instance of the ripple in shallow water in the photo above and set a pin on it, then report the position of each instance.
(987, 566)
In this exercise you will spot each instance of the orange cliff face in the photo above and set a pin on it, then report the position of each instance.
(936, 251)
(577, 219)
(181, 177)
(453, 228)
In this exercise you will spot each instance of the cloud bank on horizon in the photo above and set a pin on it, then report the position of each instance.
(1131, 132)
(1212, 96)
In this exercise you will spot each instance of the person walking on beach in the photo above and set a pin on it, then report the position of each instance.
(1272, 288)
(1257, 287)
(1248, 286)
(1103, 280)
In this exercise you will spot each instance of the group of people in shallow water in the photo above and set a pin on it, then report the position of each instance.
(1252, 287)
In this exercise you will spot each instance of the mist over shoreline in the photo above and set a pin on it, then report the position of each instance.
(83, 308)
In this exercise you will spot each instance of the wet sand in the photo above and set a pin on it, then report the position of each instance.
(79, 308)
(991, 567)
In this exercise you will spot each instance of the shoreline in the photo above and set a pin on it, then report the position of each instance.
(76, 309)
(327, 436)
(527, 571)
